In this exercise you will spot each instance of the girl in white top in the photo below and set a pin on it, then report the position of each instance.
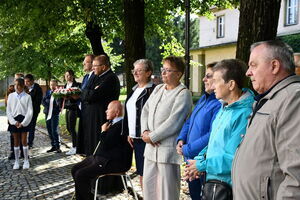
(19, 113)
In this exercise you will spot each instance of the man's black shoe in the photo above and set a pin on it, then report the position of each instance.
(58, 150)
(11, 156)
(52, 149)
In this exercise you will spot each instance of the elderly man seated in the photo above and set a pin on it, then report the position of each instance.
(112, 156)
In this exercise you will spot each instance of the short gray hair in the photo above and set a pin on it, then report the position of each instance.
(146, 62)
(280, 51)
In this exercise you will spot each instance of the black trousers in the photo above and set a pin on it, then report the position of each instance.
(71, 118)
(32, 129)
(87, 170)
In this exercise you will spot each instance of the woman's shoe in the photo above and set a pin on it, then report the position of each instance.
(16, 165)
(72, 151)
(26, 164)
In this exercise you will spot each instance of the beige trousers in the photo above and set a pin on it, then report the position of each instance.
(161, 181)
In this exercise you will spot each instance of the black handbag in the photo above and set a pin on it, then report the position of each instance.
(216, 190)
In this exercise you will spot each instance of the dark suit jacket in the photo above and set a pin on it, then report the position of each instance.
(114, 146)
(36, 96)
(95, 102)
(56, 104)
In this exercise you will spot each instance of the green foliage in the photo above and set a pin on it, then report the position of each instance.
(172, 48)
(115, 59)
(180, 31)
(204, 7)
(123, 91)
(293, 41)
(47, 37)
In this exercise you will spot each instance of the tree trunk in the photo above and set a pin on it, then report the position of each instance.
(134, 36)
(94, 34)
(258, 22)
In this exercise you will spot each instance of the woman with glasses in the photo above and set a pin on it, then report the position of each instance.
(162, 118)
(134, 103)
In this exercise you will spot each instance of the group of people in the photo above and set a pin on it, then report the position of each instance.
(235, 145)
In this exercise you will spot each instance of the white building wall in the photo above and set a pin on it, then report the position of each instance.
(208, 28)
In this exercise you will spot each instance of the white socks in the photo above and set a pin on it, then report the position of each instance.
(17, 153)
(25, 151)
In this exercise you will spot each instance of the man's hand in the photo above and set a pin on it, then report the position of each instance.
(146, 138)
(105, 126)
(179, 147)
(130, 141)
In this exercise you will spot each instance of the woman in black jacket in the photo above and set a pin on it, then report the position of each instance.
(72, 110)
(135, 101)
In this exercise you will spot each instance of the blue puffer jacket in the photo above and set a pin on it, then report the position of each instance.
(196, 130)
(227, 131)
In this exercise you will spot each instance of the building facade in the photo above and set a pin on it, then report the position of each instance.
(218, 36)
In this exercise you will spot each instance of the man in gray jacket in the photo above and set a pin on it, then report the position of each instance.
(267, 164)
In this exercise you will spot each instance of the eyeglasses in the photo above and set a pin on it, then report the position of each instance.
(208, 76)
(167, 70)
(137, 71)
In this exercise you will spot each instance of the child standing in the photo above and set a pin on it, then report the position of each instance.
(51, 110)
(19, 113)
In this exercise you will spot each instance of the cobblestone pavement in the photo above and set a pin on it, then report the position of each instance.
(49, 174)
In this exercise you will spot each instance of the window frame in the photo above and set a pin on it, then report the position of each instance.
(291, 10)
(221, 26)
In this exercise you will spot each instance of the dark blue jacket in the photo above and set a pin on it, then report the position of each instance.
(46, 104)
(196, 130)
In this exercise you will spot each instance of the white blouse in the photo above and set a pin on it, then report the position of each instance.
(131, 111)
(19, 104)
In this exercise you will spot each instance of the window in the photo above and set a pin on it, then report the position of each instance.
(220, 26)
(291, 12)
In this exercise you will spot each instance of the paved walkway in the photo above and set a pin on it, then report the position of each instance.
(49, 174)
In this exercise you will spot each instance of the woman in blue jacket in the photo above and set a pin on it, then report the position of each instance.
(227, 130)
(195, 132)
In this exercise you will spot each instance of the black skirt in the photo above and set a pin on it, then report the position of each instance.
(14, 129)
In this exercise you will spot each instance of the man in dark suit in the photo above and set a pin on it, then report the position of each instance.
(101, 89)
(87, 68)
(36, 93)
(113, 155)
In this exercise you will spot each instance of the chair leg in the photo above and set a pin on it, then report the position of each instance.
(73, 196)
(96, 188)
(124, 184)
(128, 178)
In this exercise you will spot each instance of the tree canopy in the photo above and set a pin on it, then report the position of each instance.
(47, 37)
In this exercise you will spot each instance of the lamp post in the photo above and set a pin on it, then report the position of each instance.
(187, 43)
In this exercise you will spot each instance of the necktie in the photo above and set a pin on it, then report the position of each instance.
(84, 81)
(50, 108)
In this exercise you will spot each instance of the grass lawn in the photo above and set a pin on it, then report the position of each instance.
(62, 121)
(2, 108)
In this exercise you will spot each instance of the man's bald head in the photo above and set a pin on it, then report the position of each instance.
(114, 110)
